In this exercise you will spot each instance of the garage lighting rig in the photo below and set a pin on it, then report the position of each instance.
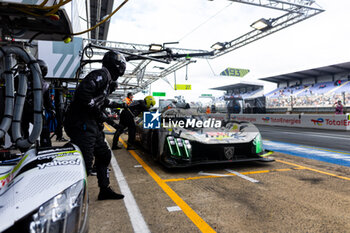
(139, 77)
(295, 11)
(140, 56)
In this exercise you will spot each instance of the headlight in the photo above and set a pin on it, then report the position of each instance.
(66, 212)
(179, 147)
(188, 144)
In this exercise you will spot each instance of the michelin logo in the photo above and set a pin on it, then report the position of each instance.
(59, 163)
(151, 120)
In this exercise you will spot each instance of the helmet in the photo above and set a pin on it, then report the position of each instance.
(43, 67)
(115, 63)
(150, 101)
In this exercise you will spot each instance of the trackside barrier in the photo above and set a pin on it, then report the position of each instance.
(320, 121)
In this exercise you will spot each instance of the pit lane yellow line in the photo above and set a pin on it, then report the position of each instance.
(312, 169)
(191, 214)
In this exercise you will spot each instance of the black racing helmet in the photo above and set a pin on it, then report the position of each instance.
(43, 67)
(115, 62)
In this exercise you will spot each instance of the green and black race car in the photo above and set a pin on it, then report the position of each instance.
(187, 138)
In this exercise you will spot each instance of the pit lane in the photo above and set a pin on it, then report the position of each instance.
(292, 194)
(331, 139)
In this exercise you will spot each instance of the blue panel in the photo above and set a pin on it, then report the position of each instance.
(316, 153)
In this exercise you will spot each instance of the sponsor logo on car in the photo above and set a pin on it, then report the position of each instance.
(60, 154)
(229, 152)
(5, 179)
(220, 134)
(59, 163)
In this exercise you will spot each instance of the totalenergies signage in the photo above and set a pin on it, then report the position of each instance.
(318, 121)
(266, 119)
(331, 122)
(286, 121)
(326, 121)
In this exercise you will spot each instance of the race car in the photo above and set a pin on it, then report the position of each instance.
(45, 190)
(187, 138)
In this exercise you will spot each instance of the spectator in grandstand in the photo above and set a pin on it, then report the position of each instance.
(338, 107)
(337, 83)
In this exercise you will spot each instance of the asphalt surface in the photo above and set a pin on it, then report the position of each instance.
(292, 194)
(338, 140)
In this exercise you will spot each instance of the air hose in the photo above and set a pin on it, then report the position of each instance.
(9, 93)
(16, 112)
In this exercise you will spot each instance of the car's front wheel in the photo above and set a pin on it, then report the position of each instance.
(155, 147)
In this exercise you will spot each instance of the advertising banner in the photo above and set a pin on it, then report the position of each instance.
(325, 121)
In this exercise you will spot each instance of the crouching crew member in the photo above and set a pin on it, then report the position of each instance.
(127, 120)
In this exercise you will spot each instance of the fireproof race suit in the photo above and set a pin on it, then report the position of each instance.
(84, 122)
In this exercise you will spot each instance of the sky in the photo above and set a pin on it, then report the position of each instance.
(197, 24)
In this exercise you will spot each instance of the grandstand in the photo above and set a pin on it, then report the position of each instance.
(249, 95)
(243, 89)
(313, 90)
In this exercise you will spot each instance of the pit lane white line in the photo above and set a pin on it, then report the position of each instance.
(322, 136)
(137, 221)
(243, 176)
(211, 174)
(173, 208)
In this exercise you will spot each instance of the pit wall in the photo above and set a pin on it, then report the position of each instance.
(319, 121)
